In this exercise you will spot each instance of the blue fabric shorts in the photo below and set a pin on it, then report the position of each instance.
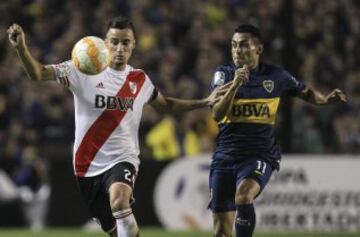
(226, 176)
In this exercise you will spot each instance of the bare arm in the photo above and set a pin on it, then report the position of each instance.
(34, 69)
(170, 104)
(222, 107)
(315, 97)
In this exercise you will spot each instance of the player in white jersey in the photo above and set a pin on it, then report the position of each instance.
(108, 109)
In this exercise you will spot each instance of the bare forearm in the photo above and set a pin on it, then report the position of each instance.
(220, 109)
(313, 96)
(181, 105)
(31, 65)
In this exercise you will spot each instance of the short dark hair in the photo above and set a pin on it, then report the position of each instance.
(249, 28)
(121, 22)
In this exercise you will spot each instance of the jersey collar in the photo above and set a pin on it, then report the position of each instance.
(119, 72)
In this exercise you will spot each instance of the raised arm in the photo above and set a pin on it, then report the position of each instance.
(222, 107)
(34, 69)
(315, 97)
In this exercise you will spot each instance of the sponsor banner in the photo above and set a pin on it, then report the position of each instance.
(317, 193)
(312, 193)
(181, 194)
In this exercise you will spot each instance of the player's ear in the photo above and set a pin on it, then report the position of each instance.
(134, 44)
(259, 48)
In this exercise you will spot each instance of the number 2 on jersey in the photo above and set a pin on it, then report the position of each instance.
(128, 175)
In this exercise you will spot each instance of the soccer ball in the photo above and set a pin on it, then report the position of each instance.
(90, 55)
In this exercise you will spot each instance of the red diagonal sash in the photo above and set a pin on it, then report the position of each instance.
(104, 125)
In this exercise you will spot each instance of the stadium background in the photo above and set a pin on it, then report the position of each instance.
(179, 43)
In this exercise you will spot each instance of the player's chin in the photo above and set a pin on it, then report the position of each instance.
(239, 63)
(118, 61)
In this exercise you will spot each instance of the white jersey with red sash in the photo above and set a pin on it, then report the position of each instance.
(108, 109)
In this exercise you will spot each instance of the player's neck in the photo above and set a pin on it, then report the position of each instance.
(121, 67)
(254, 68)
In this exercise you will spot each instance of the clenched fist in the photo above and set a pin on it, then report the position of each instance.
(241, 75)
(16, 36)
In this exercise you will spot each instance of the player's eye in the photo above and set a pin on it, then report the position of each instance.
(245, 44)
(114, 42)
(126, 42)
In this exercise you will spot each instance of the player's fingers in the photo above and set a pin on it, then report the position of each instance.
(247, 71)
(224, 87)
(15, 28)
(8, 29)
(221, 91)
(342, 96)
(242, 74)
(335, 92)
(245, 76)
(246, 68)
(12, 31)
(337, 95)
(227, 85)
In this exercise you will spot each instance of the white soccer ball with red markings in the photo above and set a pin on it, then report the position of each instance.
(90, 55)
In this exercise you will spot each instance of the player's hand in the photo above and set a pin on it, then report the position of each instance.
(336, 96)
(16, 36)
(217, 94)
(241, 75)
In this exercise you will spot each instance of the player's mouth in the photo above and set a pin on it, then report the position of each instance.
(238, 59)
(119, 57)
(242, 59)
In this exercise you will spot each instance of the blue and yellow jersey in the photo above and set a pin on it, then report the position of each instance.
(247, 131)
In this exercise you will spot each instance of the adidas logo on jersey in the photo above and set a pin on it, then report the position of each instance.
(114, 102)
(100, 85)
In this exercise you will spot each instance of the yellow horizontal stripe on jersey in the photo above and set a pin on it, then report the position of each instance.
(253, 111)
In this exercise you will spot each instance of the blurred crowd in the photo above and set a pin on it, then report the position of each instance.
(179, 44)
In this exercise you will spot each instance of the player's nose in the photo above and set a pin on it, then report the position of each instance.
(120, 48)
(238, 51)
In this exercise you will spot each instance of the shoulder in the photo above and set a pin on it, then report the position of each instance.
(271, 69)
(223, 74)
(133, 69)
(228, 67)
(276, 71)
(137, 72)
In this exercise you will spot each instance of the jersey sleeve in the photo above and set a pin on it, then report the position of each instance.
(290, 85)
(221, 77)
(150, 92)
(66, 75)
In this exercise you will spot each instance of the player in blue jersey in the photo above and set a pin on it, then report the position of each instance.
(247, 152)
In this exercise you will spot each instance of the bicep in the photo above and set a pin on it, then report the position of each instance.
(48, 73)
(304, 94)
(159, 102)
(312, 96)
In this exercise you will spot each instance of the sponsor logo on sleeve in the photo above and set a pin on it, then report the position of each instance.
(219, 78)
